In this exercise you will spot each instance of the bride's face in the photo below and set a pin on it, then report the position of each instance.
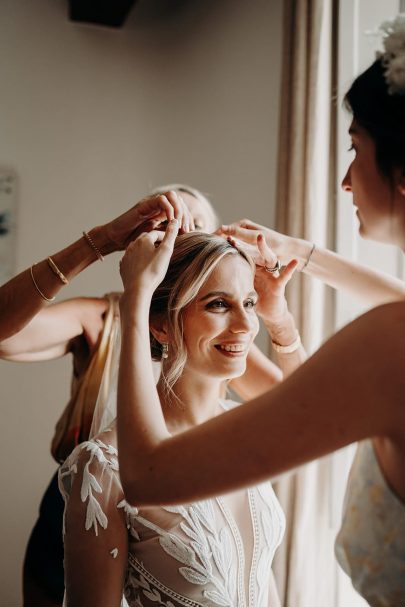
(221, 323)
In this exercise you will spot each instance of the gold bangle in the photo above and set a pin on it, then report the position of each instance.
(37, 287)
(56, 271)
(287, 349)
(93, 246)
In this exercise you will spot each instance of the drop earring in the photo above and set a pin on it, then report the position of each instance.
(165, 350)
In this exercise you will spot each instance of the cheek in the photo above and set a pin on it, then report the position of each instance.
(255, 325)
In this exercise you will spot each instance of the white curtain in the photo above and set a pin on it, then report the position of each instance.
(305, 567)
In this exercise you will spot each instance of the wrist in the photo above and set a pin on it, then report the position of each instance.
(134, 304)
(289, 348)
(283, 331)
(297, 248)
(99, 236)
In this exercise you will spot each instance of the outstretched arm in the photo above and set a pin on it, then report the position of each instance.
(51, 333)
(24, 296)
(374, 288)
(339, 396)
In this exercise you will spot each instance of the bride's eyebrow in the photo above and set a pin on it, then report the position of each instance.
(224, 294)
(215, 294)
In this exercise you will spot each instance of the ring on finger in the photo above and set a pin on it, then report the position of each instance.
(276, 268)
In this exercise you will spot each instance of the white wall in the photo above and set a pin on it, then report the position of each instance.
(90, 119)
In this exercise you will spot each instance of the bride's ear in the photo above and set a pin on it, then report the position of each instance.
(159, 331)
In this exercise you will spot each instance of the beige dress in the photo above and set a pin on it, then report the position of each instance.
(370, 546)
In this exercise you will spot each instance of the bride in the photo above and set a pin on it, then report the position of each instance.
(213, 552)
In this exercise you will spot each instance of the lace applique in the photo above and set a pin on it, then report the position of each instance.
(205, 543)
(205, 553)
(271, 520)
(151, 588)
(130, 513)
(90, 485)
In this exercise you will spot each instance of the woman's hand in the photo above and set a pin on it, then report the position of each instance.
(270, 285)
(285, 247)
(145, 216)
(146, 260)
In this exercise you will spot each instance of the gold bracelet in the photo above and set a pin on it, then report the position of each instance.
(56, 271)
(93, 246)
(37, 287)
(288, 349)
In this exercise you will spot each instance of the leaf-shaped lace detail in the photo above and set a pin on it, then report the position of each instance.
(216, 598)
(131, 510)
(203, 555)
(176, 510)
(154, 595)
(143, 582)
(193, 576)
(177, 549)
(109, 449)
(188, 531)
(206, 514)
(94, 515)
(222, 552)
(89, 483)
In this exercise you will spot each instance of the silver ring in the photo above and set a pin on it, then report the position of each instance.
(276, 268)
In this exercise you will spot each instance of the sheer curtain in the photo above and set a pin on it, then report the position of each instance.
(305, 567)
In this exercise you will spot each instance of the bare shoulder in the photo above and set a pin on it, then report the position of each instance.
(383, 323)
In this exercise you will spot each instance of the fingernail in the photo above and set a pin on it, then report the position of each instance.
(174, 222)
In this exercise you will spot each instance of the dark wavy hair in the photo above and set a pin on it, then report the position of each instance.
(381, 114)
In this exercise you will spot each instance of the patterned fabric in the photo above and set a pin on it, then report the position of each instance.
(370, 546)
(74, 425)
(215, 552)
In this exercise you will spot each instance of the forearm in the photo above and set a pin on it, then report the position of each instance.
(140, 421)
(374, 288)
(20, 299)
(339, 396)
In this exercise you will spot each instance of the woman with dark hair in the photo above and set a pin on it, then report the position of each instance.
(351, 390)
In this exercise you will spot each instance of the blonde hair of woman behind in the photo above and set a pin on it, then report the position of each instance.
(212, 218)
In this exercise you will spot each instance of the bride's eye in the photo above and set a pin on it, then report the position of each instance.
(217, 304)
(250, 303)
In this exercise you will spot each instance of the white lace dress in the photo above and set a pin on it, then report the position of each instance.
(216, 552)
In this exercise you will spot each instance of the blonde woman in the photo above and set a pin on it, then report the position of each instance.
(200, 323)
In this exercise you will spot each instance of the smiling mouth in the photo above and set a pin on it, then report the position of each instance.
(232, 350)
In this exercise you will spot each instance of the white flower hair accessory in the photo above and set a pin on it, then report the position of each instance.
(393, 56)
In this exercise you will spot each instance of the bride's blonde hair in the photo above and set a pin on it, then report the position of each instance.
(195, 256)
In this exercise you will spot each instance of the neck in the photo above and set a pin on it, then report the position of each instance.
(195, 401)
